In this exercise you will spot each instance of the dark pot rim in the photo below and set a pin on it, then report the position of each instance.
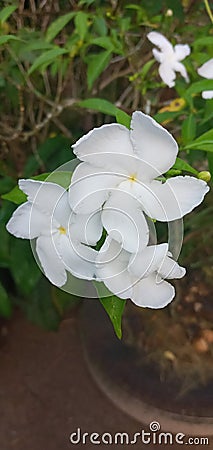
(111, 366)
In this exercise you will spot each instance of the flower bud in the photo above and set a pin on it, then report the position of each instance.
(205, 176)
(169, 13)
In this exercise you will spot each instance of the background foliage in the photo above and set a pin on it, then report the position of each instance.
(60, 60)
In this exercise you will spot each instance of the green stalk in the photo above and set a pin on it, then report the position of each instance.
(208, 9)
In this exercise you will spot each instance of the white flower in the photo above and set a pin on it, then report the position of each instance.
(119, 175)
(59, 233)
(169, 58)
(139, 277)
(206, 71)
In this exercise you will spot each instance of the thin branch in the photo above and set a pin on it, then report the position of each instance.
(115, 76)
(47, 84)
(22, 111)
(27, 79)
(67, 133)
(24, 136)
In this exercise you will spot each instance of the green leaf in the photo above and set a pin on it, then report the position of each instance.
(99, 104)
(106, 107)
(62, 178)
(96, 65)
(8, 37)
(103, 41)
(182, 165)
(167, 115)
(206, 146)
(23, 267)
(46, 58)
(188, 129)
(203, 142)
(58, 25)
(99, 26)
(6, 12)
(146, 67)
(208, 111)
(6, 183)
(123, 118)
(37, 44)
(5, 303)
(15, 195)
(204, 41)
(81, 24)
(198, 87)
(40, 308)
(4, 246)
(113, 305)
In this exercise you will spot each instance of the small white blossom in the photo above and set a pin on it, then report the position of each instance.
(169, 58)
(206, 71)
(60, 234)
(141, 276)
(119, 174)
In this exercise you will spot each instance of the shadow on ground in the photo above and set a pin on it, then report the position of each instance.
(46, 392)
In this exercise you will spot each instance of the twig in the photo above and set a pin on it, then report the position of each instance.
(46, 84)
(115, 76)
(67, 133)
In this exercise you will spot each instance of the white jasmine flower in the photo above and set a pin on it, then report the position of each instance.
(119, 175)
(206, 71)
(169, 58)
(60, 234)
(140, 277)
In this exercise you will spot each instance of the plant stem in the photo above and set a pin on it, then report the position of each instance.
(208, 9)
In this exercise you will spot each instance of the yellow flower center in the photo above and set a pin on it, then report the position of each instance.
(133, 177)
(62, 230)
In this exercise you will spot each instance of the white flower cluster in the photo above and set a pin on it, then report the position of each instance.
(169, 58)
(115, 191)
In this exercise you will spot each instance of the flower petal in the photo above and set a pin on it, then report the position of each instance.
(62, 211)
(160, 40)
(167, 73)
(207, 95)
(171, 269)
(153, 144)
(174, 198)
(125, 222)
(27, 222)
(179, 67)
(50, 260)
(206, 70)
(90, 188)
(86, 228)
(43, 194)
(147, 261)
(149, 293)
(158, 55)
(78, 259)
(112, 262)
(112, 138)
(181, 51)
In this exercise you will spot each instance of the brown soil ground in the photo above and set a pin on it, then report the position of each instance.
(46, 391)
